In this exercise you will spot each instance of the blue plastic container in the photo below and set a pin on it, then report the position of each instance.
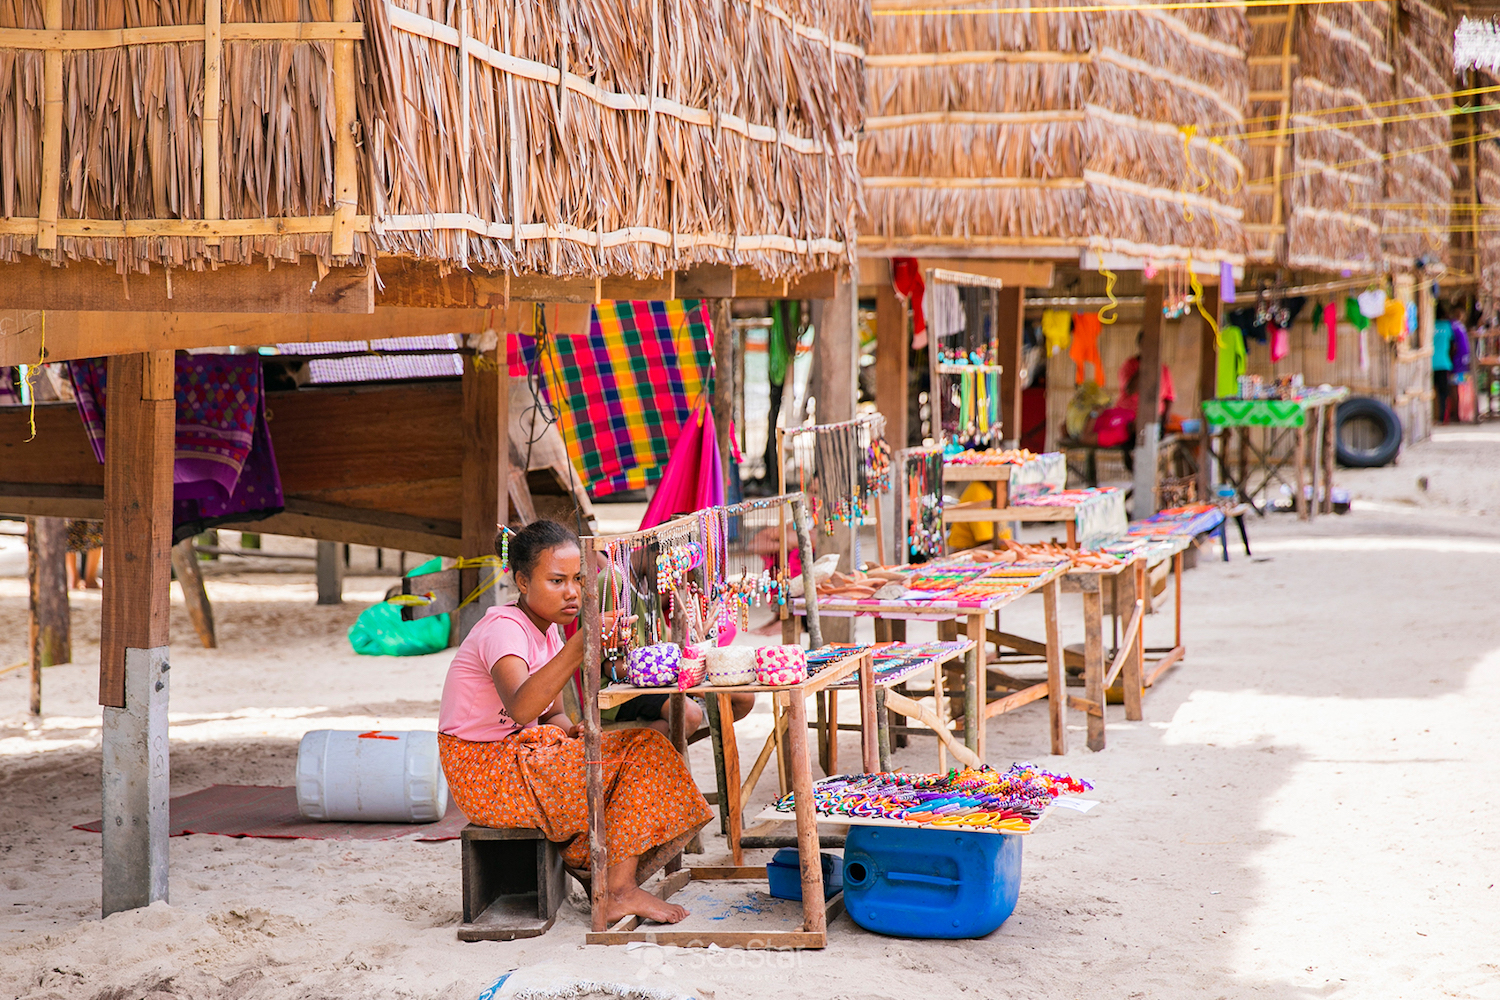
(930, 883)
(785, 874)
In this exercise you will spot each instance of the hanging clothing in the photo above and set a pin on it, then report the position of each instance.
(694, 477)
(1085, 347)
(906, 279)
(786, 318)
(1331, 324)
(1281, 343)
(945, 311)
(1130, 399)
(623, 393)
(224, 465)
(1354, 315)
(1057, 329)
(1461, 349)
(1392, 323)
(1231, 364)
(1372, 303)
(1442, 346)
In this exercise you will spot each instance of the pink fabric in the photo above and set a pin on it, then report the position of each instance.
(1113, 426)
(694, 478)
(471, 708)
(1130, 401)
(1281, 343)
(1331, 321)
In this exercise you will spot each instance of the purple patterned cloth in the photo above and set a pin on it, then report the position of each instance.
(224, 469)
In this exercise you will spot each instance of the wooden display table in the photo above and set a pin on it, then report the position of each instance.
(1279, 417)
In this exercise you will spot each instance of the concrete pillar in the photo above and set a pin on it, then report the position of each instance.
(136, 786)
(330, 570)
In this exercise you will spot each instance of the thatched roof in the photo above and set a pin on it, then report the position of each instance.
(1418, 132)
(1001, 130)
(591, 137)
(1317, 174)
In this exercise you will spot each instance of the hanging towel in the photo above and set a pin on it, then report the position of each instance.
(1372, 303)
(1331, 322)
(1057, 328)
(1281, 343)
(623, 393)
(1392, 323)
(1085, 347)
(222, 473)
(1231, 362)
(694, 477)
(1226, 282)
(906, 279)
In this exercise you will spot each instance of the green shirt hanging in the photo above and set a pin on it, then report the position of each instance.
(1231, 362)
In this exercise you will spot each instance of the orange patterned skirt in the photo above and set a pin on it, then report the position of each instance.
(534, 778)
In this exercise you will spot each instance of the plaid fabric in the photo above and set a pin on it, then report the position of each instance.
(623, 393)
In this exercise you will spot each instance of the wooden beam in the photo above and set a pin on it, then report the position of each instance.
(51, 632)
(707, 281)
(1024, 273)
(892, 360)
(486, 459)
(82, 285)
(542, 288)
(661, 289)
(345, 123)
(90, 334)
(139, 424)
(52, 132)
(1010, 323)
(816, 285)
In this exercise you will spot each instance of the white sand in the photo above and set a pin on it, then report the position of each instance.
(1308, 810)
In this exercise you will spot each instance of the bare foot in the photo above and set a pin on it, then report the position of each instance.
(643, 904)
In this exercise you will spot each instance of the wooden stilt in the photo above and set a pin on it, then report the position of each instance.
(1093, 664)
(134, 628)
(731, 784)
(869, 719)
(974, 688)
(1057, 704)
(814, 915)
(51, 633)
(1135, 664)
(194, 595)
(593, 759)
(485, 471)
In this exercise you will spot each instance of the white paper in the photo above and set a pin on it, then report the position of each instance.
(1077, 805)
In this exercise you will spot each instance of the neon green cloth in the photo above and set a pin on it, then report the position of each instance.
(1231, 362)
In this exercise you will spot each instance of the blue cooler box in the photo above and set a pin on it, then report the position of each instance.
(930, 883)
(784, 871)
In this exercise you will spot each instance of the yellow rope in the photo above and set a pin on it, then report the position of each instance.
(1213, 324)
(1113, 307)
(1116, 8)
(31, 373)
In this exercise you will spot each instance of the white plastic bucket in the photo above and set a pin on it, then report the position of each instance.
(380, 776)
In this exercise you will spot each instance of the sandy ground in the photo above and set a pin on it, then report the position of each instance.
(1308, 810)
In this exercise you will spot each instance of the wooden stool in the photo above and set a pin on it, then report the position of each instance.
(513, 883)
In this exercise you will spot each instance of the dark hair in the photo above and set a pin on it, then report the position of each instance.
(528, 544)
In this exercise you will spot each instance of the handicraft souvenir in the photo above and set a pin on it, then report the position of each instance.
(654, 666)
(780, 665)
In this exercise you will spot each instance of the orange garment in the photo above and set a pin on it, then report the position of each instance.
(534, 778)
(1085, 347)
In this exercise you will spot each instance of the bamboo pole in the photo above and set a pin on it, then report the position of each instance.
(345, 161)
(213, 63)
(52, 126)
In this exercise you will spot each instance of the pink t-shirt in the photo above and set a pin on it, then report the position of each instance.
(471, 708)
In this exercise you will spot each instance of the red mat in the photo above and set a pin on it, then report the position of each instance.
(261, 811)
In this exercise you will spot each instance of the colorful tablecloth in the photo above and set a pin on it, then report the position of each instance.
(945, 590)
(894, 662)
(1268, 412)
(623, 393)
(1099, 513)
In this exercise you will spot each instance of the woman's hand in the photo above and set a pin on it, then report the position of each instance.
(570, 728)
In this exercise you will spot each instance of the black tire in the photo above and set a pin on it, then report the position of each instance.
(1368, 434)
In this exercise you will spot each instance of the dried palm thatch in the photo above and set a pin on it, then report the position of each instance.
(1419, 129)
(1118, 131)
(1317, 172)
(589, 138)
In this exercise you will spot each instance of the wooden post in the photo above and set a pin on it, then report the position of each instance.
(1093, 664)
(485, 472)
(725, 389)
(1299, 442)
(976, 687)
(213, 62)
(1148, 416)
(836, 347)
(1133, 677)
(593, 760)
(730, 807)
(869, 729)
(892, 352)
(330, 573)
(345, 155)
(139, 425)
(1208, 379)
(1328, 444)
(809, 587)
(52, 132)
(190, 579)
(51, 633)
(814, 915)
(1010, 322)
(1057, 692)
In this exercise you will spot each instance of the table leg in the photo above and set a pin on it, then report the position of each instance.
(1300, 451)
(883, 732)
(1244, 460)
(1073, 533)
(1093, 664)
(1317, 466)
(869, 716)
(1330, 440)
(833, 733)
(814, 909)
(729, 790)
(1177, 596)
(1057, 691)
(1133, 676)
(975, 688)
(721, 771)
(821, 698)
(778, 709)
(940, 702)
(678, 701)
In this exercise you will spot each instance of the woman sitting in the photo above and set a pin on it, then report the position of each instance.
(513, 758)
